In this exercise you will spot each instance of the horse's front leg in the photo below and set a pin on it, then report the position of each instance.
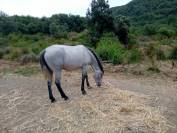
(84, 76)
(82, 85)
(58, 84)
(87, 82)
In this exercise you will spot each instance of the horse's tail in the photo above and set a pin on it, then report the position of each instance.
(47, 71)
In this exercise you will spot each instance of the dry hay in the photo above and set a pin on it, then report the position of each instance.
(103, 110)
(111, 110)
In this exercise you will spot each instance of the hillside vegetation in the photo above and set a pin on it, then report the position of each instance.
(142, 30)
(149, 11)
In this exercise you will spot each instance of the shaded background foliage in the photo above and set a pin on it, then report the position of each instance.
(146, 28)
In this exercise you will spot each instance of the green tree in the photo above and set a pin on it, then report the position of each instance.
(58, 31)
(76, 23)
(121, 29)
(99, 19)
(7, 25)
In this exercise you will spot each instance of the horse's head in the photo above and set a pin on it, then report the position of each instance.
(98, 78)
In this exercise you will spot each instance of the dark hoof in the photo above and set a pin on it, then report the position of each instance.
(89, 87)
(53, 100)
(84, 92)
(65, 98)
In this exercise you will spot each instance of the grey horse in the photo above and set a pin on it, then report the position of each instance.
(57, 57)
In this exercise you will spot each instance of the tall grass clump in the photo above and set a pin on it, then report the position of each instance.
(1, 53)
(150, 29)
(109, 48)
(166, 31)
(173, 54)
(29, 58)
(134, 56)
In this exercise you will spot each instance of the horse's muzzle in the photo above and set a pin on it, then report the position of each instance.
(99, 85)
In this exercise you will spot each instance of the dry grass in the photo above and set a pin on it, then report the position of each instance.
(104, 110)
(112, 111)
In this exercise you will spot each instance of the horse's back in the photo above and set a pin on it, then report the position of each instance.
(68, 56)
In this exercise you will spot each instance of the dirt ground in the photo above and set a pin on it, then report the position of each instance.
(125, 103)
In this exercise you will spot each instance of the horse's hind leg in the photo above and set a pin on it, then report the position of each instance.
(58, 84)
(49, 84)
(51, 97)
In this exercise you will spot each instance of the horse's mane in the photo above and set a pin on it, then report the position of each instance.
(97, 59)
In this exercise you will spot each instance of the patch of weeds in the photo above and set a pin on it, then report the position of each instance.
(6, 71)
(27, 71)
(153, 69)
(24, 71)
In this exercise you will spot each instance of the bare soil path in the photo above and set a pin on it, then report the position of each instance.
(162, 92)
(125, 103)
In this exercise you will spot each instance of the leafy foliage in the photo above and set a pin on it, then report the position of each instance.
(121, 29)
(57, 25)
(143, 12)
(109, 48)
(173, 54)
(99, 19)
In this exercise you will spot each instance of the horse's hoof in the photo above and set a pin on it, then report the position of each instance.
(84, 92)
(53, 100)
(66, 98)
(89, 87)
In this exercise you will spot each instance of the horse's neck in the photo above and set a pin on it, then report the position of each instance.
(94, 64)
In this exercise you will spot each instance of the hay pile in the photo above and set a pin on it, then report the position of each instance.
(25, 108)
(107, 110)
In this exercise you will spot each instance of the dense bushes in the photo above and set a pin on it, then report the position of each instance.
(99, 19)
(163, 30)
(173, 54)
(166, 31)
(1, 53)
(109, 48)
(26, 48)
(28, 58)
(56, 25)
(150, 29)
(23, 37)
(121, 29)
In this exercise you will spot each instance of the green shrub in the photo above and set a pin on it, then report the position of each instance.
(136, 30)
(173, 54)
(6, 50)
(36, 49)
(24, 50)
(166, 31)
(1, 53)
(132, 41)
(3, 42)
(154, 69)
(109, 48)
(150, 29)
(58, 31)
(135, 56)
(160, 54)
(15, 53)
(28, 58)
(166, 41)
(156, 51)
(26, 71)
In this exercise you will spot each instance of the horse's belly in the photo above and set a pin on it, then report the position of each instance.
(71, 66)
